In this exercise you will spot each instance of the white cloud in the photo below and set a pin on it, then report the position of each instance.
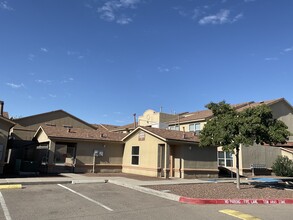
(31, 57)
(288, 49)
(163, 69)
(43, 81)
(222, 17)
(110, 10)
(271, 58)
(4, 5)
(43, 49)
(124, 20)
(15, 86)
(52, 95)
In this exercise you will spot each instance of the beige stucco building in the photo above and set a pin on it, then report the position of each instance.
(263, 155)
(165, 153)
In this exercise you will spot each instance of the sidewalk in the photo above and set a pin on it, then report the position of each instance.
(81, 178)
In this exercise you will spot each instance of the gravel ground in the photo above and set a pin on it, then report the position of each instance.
(227, 191)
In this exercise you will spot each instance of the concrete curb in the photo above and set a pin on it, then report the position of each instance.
(11, 186)
(164, 195)
(88, 181)
(196, 201)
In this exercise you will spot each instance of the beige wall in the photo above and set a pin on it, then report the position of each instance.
(287, 154)
(185, 126)
(155, 119)
(148, 155)
(111, 161)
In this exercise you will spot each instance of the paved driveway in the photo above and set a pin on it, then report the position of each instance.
(108, 201)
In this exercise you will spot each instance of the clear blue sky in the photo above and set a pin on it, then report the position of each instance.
(103, 60)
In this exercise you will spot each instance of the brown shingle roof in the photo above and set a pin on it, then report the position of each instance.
(105, 127)
(5, 115)
(204, 114)
(79, 133)
(171, 135)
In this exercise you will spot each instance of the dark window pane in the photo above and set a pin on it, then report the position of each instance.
(135, 150)
(135, 160)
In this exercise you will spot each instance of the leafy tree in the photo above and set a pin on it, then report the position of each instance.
(230, 128)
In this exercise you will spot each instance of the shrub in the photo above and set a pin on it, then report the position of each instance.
(283, 166)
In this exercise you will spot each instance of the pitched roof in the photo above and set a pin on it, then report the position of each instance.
(125, 127)
(205, 114)
(80, 133)
(168, 135)
(7, 120)
(19, 120)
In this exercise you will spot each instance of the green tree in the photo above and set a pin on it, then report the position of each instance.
(230, 128)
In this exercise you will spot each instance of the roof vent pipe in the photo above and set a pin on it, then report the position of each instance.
(1, 107)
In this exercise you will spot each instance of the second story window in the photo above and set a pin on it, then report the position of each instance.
(195, 127)
(174, 127)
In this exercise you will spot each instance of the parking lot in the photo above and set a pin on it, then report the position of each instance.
(109, 201)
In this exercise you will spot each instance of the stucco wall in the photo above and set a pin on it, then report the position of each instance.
(287, 154)
(259, 154)
(199, 162)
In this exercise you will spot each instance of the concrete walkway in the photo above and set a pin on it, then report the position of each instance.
(80, 178)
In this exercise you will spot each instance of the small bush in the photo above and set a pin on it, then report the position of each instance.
(283, 166)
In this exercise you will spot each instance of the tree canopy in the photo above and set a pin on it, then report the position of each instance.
(230, 128)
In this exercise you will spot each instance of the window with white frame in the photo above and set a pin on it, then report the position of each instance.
(195, 127)
(174, 127)
(225, 159)
(135, 155)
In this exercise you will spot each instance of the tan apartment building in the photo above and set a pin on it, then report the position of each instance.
(249, 155)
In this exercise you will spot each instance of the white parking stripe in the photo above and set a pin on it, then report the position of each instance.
(4, 207)
(85, 197)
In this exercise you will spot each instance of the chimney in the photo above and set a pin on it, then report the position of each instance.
(134, 118)
(1, 107)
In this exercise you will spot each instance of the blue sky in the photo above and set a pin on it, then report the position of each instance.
(103, 60)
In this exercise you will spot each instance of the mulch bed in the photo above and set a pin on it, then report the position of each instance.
(227, 191)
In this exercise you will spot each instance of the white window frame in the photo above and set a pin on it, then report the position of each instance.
(195, 127)
(228, 156)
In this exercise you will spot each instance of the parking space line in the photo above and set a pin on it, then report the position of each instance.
(4, 207)
(239, 215)
(85, 197)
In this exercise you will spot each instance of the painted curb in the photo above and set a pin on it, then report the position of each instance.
(196, 201)
(11, 186)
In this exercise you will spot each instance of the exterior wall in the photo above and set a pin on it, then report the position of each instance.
(148, 155)
(23, 134)
(4, 131)
(185, 126)
(199, 162)
(111, 161)
(29, 125)
(287, 154)
(59, 118)
(257, 154)
(155, 119)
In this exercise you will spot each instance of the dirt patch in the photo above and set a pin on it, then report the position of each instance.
(227, 191)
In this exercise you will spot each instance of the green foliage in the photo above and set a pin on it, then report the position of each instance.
(283, 166)
(229, 128)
